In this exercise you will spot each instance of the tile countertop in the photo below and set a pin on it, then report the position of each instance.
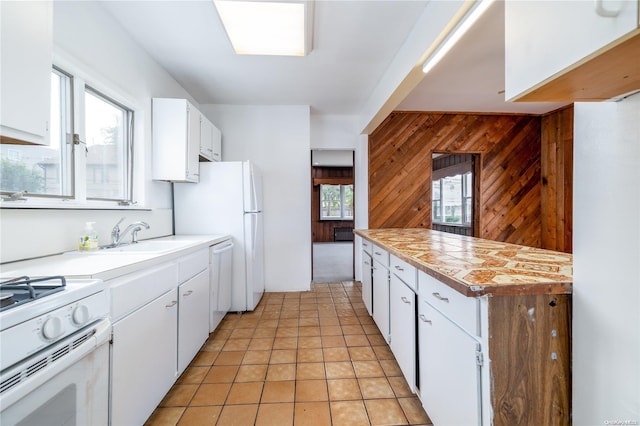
(105, 266)
(476, 267)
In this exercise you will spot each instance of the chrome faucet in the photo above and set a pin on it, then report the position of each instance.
(117, 236)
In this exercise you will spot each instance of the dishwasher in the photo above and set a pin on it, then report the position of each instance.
(220, 267)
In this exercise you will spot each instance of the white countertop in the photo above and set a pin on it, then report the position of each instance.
(103, 265)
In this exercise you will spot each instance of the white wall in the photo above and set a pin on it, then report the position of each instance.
(87, 38)
(361, 197)
(277, 140)
(334, 131)
(606, 289)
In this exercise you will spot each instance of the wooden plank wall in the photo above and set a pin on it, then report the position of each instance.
(557, 180)
(322, 230)
(400, 152)
(530, 352)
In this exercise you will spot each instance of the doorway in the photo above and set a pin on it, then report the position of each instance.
(332, 215)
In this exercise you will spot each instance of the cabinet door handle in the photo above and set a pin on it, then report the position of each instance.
(399, 268)
(605, 13)
(172, 304)
(424, 319)
(405, 300)
(188, 293)
(437, 296)
(377, 253)
(366, 263)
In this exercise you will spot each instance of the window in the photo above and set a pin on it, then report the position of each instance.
(336, 202)
(452, 188)
(108, 132)
(99, 169)
(451, 202)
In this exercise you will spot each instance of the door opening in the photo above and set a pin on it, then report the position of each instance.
(332, 215)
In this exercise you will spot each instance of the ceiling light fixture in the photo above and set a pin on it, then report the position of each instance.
(467, 21)
(267, 27)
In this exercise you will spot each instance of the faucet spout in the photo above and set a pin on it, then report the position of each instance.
(117, 236)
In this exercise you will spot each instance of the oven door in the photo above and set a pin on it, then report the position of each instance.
(66, 384)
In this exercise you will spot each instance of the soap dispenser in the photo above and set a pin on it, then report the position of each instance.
(88, 239)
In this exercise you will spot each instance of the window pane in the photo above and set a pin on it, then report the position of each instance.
(330, 205)
(467, 211)
(436, 207)
(43, 170)
(108, 142)
(452, 199)
(347, 191)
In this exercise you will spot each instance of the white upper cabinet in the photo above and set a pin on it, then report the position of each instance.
(176, 140)
(25, 70)
(544, 40)
(210, 140)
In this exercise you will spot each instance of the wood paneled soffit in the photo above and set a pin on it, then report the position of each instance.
(332, 181)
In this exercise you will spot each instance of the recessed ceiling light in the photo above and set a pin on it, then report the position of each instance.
(268, 28)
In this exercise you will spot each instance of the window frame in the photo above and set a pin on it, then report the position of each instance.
(83, 77)
(342, 203)
(466, 192)
(129, 124)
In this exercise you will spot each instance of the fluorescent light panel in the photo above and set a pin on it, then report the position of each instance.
(266, 28)
(461, 28)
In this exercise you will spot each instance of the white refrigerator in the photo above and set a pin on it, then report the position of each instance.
(228, 200)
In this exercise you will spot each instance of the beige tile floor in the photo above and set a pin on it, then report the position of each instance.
(303, 358)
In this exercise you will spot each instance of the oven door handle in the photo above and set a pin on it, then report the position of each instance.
(101, 335)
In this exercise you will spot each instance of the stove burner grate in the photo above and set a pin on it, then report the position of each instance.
(21, 290)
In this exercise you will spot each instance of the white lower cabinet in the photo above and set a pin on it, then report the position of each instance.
(193, 318)
(367, 280)
(449, 370)
(381, 298)
(402, 324)
(143, 359)
(161, 319)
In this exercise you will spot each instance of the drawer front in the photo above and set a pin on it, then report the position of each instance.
(191, 265)
(131, 291)
(457, 307)
(381, 255)
(404, 271)
(367, 246)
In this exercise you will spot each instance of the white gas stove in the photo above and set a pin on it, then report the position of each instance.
(47, 327)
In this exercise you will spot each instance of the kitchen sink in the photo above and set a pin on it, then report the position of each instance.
(144, 247)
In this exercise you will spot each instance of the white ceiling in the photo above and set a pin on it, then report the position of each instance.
(354, 43)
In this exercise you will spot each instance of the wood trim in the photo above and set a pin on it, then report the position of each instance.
(6, 140)
(557, 181)
(606, 74)
(530, 352)
(332, 181)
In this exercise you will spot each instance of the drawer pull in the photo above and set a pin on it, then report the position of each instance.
(366, 262)
(188, 293)
(424, 319)
(399, 268)
(405, 300)
(172, 304)
(377, 253)
(437, 296)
